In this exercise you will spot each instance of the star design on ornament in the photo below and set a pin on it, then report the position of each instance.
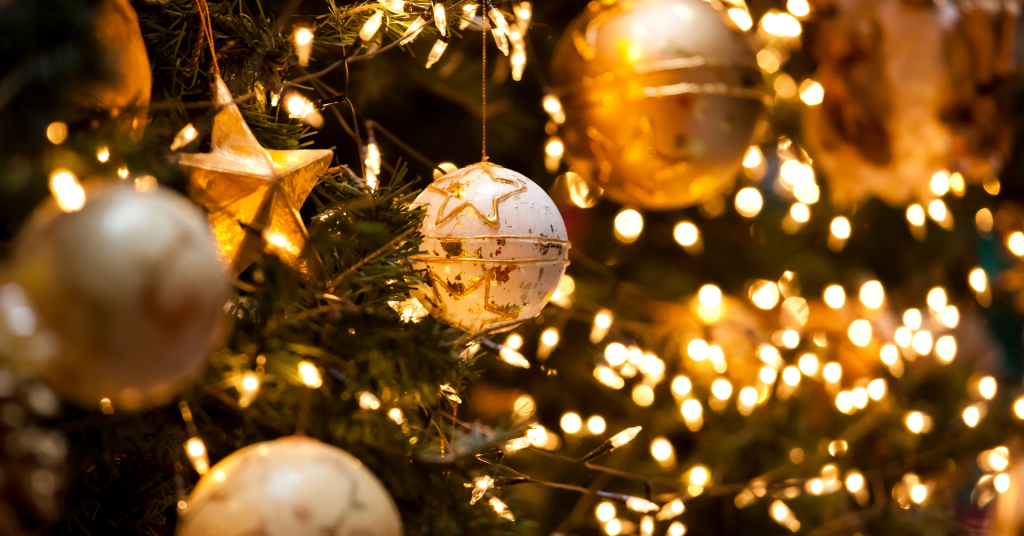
(485, 189)
(253, 194)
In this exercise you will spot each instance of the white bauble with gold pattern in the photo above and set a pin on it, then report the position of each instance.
(295, 486)
(121, 294)
(494, 248)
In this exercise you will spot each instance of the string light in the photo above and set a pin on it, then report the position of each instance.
(721, 389)
(710, 296)
(57, 132)
(436, 52)
(310, 375)
(501, 508)
(791, 376)
(624, 437)
(799, 8)
(692, 414)
(616, 354)
(768, 60)
(513, 357)
(808, 364)
(800, 213)
(832, 372)
(915, 215)
(811, 92)
(686, 234)
(872, 294)
(122, 172)
(945, 349)
(749, 202)
(553, 151)
(922, 342)
(571, 423)
(784, 516)
(562, 296)
(500, 39)
(741, 18)
(605, 511)
(936, 299)
(840, 227)
(609, 377)
(1001, 482)
(103, 154)
(991, 185)
(396, 415)
(638, 504)
(628, 226)
(440, 18)
(248, 388)
(764, 294)
(643, 395)
(987, 387)
(860, 332)
(195, 449)
(602, 323)
(480, 486)
(681, 386)
(834, 296)
(950, 316)
(303, 38)
(468, 14)
(413, 31)
(613, 527)
(548, 341)
(1018, 408)
(915, 421)
(889, 354)
(971, 416)
(553, 106)
(983, 220)
(676, 529)
(596, 424)
(662, 451)
(67, 191)
(876, 389)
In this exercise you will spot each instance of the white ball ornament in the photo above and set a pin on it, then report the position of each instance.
(295, 486)
(495, 248)
(126, 290)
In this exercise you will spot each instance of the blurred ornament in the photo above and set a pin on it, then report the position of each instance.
(661, 100)
(33, 459)
(123, 93)
(290, 486)
(908, 93)
(117, 300)
(254, 194)
(495, 245)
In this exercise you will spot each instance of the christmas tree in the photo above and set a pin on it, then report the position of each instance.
(304, 268)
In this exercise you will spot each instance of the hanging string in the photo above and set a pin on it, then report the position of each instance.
(483, 83)
(204, 15)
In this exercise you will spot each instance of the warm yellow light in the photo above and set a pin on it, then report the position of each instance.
(643, 395)
(513, 358)
(613, 527)
(936, 299)
(296, 105)
(832, 372)
(122, 172)
(903, 336)
(554, 147)
(524, 406)
(624, 436)
(767, 375)
(838, 448)
(661, 449)
(749, 202)
(549, 336)
(799, 8)
(971, 416)
(753, 158)
(834, 296)
(950, 316)
(915, 215)
(628, 225)
(57, 132)
(1016, 243)
(922, 342)
(860, 332)
(872, 294)
(396, 415)
(571, 423)
(615, 353)
(764, 294)
(983, 220)
(66, 190)
(844, 402)
(978, 280)
(514, 341)
(250, 382)
(987, 387)
(791, 376)
(310, 375)
(686, 233)
(195, 449)
(304, 36)
(603, 320)
(889, 354)
(609, 377)
(676, 529)
(811, 92)
(768, 60)
(918, 493)
(940, 183)
(605, 511)
(840, 228)
(956, 183)
(699, 475)
(721, 388)
(710, 296)
(876, 389)
(103, 154)
(912, 318)
(368, 400)
(915, 421)
(1001, 482)
(808, 364)
(937, 210)
(596, 424)
(945, 348)
(681, 386)
(553, 107)
(1018, 408)
(691, 410)
(800, 212)
(741, 18)
(996, 459)
(991, 185)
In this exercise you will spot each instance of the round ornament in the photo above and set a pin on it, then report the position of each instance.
(495, 248)
(126, 292)
(661, 99)
(124, 94)
(295, 486)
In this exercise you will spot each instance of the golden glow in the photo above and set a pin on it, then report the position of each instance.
(1018, 408)
(860, 332)
(903, 337)
(1001, 482)
(832, 372)
(396, 415)
(195, 449)
(950, 316)
(945, 348)
(811, 92)
(915, 215)
(596, 424)
(303, 36)
(767, 375)
(983, 220)
(514, 341)
(628, 225)
(918, 493)
(66, 190)
(296, 105)
(710, 296)
(721, 389)
(791, 376)
(912, 318)
(749, 202)
(971, 416)
(609, 377)
(605, 511)
(854, 481)
(603, 319)
(549, 337)
(872, 294)
(800, 212)
(643, 395)
(991, 185)
(616, 354)
(808, 364)
(676, 529)
(922, 342)
(699, 475)
(368, 400)
(915, 421)
(122, 172)
(624, 436)
(524, 406)
(840, 228)
(571, 423)
(764, 294)
(310, 375)
(834, 296)
(978, 280)
(57, 132)
(876, 389)
(662, 450)
(936, 299)
(781, 24)
(553, 107)
(1016, 243)
(889, 354)
(513, 358)
(686, 233)
(691, 409)
(799, 8)
(837, 448)
(748, 396)
(844, 402)
(103, 154)
(681, 386)
(753, 158)
(768, 60)
(741, 18)
(554, 147)
(613, 527)
(956, 182)
(987, 387)
(937, 210)
(940, 183)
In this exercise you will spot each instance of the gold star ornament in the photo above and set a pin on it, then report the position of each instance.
(253, 194)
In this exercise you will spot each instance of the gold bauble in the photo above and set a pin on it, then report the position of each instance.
(295, 486)
(661, 100)
(117, 300)
(125, 90)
